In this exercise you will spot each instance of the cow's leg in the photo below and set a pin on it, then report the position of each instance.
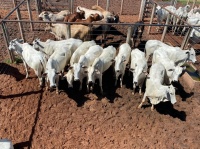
(88, 90)
(121, 79)
(81, 81)
(47, 86)
(143, 100)
(133, 92)
(152, 107)
(57, 84)
(25, 65)
(100, 84)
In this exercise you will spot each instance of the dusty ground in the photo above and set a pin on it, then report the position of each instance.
(38, 119)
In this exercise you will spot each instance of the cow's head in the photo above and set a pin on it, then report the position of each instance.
(171, 94)
(191, 55)
(52, 76)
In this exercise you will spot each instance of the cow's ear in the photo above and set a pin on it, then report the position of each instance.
(145, 72)
(124, 61)
(20, 40)
(113, 60)
(70, 67)
(170, 69)
(83, 66)
(97, 71)
(184, 68)
(44, 74)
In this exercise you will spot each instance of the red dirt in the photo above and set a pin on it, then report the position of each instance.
(38, 119)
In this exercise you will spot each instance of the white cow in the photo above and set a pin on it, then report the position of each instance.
(30, 57)
(195, 35)
(88, 12)
(81, 50)
(121, 60)
(49, 16)
(6, 144)
(155, 91)
(100, 65)
(182, 12)
(176, 54)
(162, 14)
(56, 64)
(139, 68)
(50, 46)
(173, 72)
(85, 61)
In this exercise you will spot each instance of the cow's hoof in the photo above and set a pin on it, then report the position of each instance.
(140, 106)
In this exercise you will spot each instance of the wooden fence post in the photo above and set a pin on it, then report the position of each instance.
(142, 6)
(152, 17)
(68, 31)
(186, 38)
(194, 3)
(165, 28)
(6, 39)
(30, 15)
(121, 9)
(19, 18)
(107, 4)
(128, 37)
(72, 6)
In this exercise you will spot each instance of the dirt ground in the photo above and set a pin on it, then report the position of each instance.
(38, 119)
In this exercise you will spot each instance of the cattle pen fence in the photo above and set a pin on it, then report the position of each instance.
(23, 25)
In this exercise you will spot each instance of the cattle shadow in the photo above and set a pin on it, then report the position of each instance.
(167, 108)
(141, 45)
(74, 93)
(108, 85)
(181, 92)
(12, 71)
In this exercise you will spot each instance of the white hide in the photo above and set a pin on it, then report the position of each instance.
(50, 46)
(56, 64)
(121, 60)
(101, 64)
(173, 72)
(31, 57)
(49, 16)
(88, 12)
(85, 61)
(81, 50)
(139, 68)
(176, 54)
(155, 91)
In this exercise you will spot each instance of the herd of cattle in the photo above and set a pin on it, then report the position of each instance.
(85, 59)
(191, 16)
(89, 60)
(82, 15)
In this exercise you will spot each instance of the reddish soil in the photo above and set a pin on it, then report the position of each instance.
(38, 119)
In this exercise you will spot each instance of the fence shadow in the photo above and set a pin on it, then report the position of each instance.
(28, 144)
(12, 71)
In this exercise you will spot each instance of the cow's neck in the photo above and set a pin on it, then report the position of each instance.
(19, 49)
